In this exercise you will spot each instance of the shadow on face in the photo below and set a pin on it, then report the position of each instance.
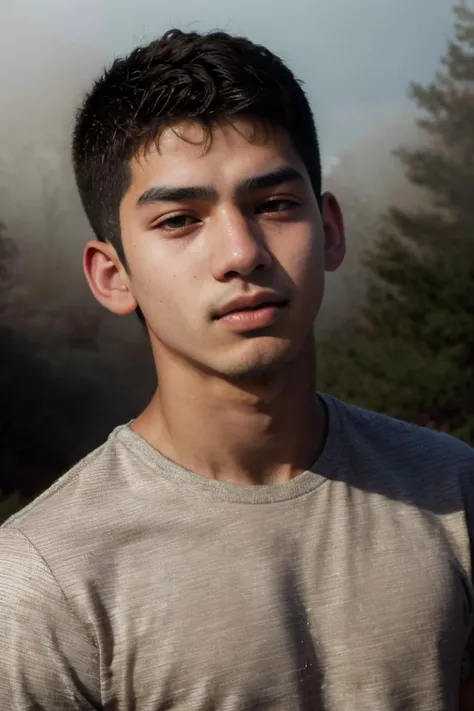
(226, 245)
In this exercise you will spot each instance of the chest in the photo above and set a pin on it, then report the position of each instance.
(322, 605)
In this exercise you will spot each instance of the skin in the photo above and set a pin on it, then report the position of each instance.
(233, 405)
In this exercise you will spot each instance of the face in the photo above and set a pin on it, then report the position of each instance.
(226, 250)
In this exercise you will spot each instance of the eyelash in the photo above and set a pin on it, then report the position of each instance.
(165, 224)
(292, 204)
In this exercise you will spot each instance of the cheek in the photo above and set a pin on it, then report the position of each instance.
(170, 270)
(303, 256)
(153, 287)
(168, 297)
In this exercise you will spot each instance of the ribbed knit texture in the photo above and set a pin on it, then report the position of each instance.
(133, 584)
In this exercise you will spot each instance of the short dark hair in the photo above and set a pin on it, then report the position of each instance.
(211, 78)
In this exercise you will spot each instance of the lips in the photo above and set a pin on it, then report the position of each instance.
(252, 302)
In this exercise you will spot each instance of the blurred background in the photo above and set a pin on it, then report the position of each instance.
(391, 83)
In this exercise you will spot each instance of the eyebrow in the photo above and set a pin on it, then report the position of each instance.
(162, 193)
(177, 194)
(273, 179)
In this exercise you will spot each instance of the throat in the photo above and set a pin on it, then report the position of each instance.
(239, 447)
(276, 451)
(261, 433)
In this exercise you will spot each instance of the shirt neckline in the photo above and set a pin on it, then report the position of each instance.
(309, 480)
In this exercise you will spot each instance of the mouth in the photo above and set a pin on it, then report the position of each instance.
(258, 307)
(245, 315)
(250, 303)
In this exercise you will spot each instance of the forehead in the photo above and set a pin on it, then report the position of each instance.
(188, 154)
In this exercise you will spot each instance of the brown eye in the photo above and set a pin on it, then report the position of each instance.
(177, 222)
(275, 206)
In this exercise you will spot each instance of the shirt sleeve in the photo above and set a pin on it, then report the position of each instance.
(48, 662)
(467, 486)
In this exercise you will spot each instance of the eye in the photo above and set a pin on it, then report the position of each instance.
(277, 205)
(176, 222)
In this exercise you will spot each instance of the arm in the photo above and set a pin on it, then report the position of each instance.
(466, 698)
(47, 660)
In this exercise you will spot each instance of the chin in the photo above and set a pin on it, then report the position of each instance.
(257, 363)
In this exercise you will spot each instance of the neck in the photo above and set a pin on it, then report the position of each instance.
(264, 432)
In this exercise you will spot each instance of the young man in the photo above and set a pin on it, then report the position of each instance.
(245, 543)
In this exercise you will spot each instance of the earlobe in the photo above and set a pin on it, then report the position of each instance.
(107, 278)
(334, 233)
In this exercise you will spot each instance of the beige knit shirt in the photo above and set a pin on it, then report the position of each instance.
(135, 585)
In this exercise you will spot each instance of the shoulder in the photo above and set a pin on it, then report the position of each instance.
(68, 514)
(47, 547)
(42, 636)
(26, 580)
(395, 435)
(428, 468)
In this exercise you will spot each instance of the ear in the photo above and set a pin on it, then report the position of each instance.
(334, 233)
(107, 278)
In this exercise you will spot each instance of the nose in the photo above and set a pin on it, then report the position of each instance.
(239, 248)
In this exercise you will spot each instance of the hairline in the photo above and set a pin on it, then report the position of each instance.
(147, 145)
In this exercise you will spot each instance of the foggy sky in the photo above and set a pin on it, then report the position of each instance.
(356, 57)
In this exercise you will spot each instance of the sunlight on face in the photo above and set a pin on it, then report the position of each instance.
(204, 224)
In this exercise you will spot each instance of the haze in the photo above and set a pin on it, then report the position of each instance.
(356, 58)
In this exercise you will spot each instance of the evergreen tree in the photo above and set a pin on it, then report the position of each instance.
(413, 353)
